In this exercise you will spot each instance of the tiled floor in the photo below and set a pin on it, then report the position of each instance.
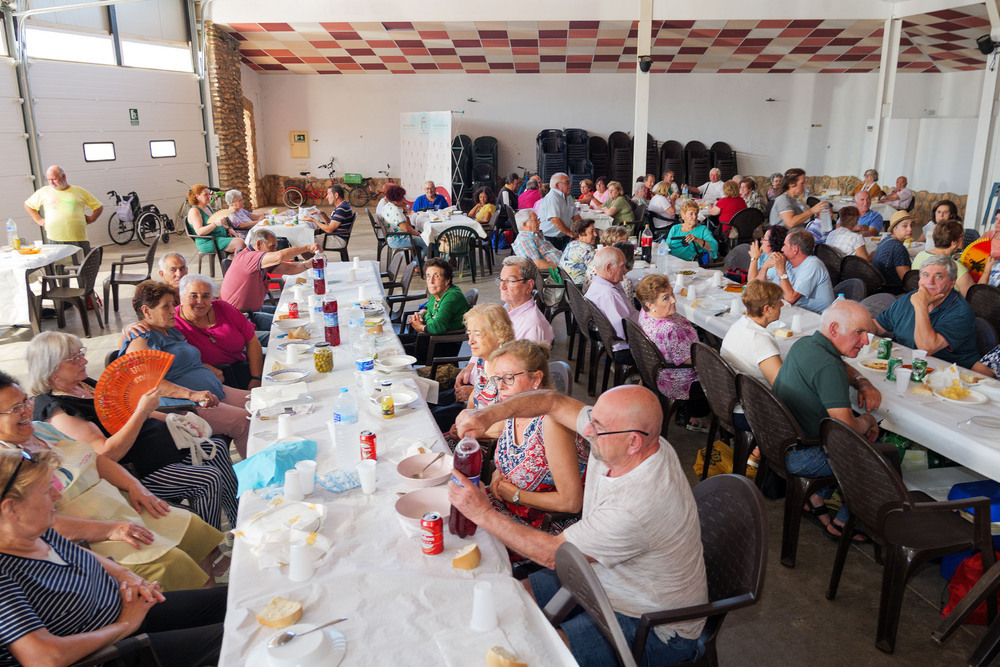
(793, 624)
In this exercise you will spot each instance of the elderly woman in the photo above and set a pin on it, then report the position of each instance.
(944, 209)
(539, 464)
(617, 206)
(446, 306)
(891, 257)
(62, 602)
(947, 241)
(241, 221)
(601, 193)
(579, 252)
(224, 336)
(485, 208)
(773, 192)
(787, 210)
(401, 233)
(844, 238)
(57, 365)
(753, 199)
(642, 196)
(688, 240)
(748, 346)
(188, 378)
(730, 204)
(105, 505)
(211, 233)
(662, 209)
(586, 192)
(772, 241)
(531, 194)
(869, 184)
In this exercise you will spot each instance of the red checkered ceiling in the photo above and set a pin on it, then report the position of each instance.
(936, 42)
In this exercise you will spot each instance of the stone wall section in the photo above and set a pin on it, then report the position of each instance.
(226, 87)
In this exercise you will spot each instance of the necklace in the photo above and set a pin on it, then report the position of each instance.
(203, 330)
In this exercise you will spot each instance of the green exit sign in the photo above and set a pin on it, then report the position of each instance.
(133, 116)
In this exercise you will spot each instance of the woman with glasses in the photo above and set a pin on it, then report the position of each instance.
(446, 305)
(57, 367)
(105, 505)
(61, 602)
(539, 464)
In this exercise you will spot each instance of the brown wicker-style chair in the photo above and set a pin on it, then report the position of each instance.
(131, 650)
(56, 288)
(878, 303)
(718, 381)
(343, 236)
(746, 222)
(119, 277)
(910, 527)
(853, 266)
(608, 337)
(580, 308)
(985, 302)
(397, 302)
(911, 280)
(775, 432)
(734, 536)
(379, 235)
(831, 258)
(649, 362)
(390, 277)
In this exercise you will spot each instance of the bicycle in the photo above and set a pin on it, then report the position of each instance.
(293, 196)
(364, 190)
(147, 222)
(216, 202)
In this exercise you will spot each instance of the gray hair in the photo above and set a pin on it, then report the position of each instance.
(256, 234)
(526, 268)
(775, 175)
(191, 279)
(430, 183)
(803, 240)
(842, 312)
(556, 177)
(606, 257)
(162, 262)
(232, 196)
(944, 261)
(45, 352)
(715, 170)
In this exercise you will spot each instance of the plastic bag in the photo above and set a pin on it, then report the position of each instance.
(270, 465)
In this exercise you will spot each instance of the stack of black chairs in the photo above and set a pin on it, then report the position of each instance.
(672, 159)
(461, 170)
(652, 156)
(484, 152)
(577, 165)
(724, 158)
(598, 150)
(620, 150)
(698, 161)
(550, 149)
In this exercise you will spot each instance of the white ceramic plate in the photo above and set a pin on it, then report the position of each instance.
(301, 346)
(331, 656)
(371, 307)
(974, 397)
(402, 397)
(411, 507)
(288, 325)
(396, 361)
(984, 421)
(989, 387)
(709, 306)
(287, 376)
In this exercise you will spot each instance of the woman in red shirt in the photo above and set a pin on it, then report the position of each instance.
(730, 204)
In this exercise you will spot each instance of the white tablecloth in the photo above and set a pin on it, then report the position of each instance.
(297, 235)
(871, 244)
(14, 267)
(601, 220)
(884, 210)
(432, 229)
(395, 597)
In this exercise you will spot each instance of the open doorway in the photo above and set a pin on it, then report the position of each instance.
(251, 140)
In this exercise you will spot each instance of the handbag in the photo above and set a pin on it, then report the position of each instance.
(190, 431)
(124, 207)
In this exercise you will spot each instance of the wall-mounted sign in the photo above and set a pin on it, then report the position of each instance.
(299, 143)
(133, 116)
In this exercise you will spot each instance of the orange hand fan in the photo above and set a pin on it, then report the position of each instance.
(123, 383)
(974, 257)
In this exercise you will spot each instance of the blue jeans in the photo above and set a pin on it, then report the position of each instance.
(588, 644)
(811, 462)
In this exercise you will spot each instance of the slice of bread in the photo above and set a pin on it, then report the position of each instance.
(280, 613)
(501, 657)
(467, 558)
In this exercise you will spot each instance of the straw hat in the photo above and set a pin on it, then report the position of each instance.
(898, 217)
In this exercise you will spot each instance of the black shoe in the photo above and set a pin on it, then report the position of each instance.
(48, 313)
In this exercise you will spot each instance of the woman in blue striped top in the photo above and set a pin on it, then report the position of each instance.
(60, 602)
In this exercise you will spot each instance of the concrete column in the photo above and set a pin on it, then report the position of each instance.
(982, 174)
(644, 42)
(884, 97)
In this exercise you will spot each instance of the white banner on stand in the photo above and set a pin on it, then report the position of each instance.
(425, 149)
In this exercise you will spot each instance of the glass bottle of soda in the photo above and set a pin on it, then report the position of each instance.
(646, 244)
(469, 462)
(319, 273)
(331, 322)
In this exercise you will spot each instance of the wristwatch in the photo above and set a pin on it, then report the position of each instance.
(254, 377)
(517, 495)
(783, 276)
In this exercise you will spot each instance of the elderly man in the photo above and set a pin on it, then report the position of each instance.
(869, 223)
(531, 244)
(639, 526)
(430, 200)
(649, 181)
(65, 221)
(606, 294)
(711, 191)
(668, 178)
(802, 277)
(245, 284)
(173, 267)
(518, 279)
(814, 384)
(900, 197)
(934, 317)
(557, 211)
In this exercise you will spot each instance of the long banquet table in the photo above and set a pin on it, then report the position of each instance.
(403, 607)
(19, 308)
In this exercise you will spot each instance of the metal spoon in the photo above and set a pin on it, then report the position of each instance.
(420, 474)
(288, 635)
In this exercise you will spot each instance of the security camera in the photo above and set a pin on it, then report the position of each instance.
(645, 62)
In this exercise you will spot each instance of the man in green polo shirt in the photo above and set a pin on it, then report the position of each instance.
(814, 383)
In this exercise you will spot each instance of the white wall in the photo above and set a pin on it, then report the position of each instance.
(817, 121)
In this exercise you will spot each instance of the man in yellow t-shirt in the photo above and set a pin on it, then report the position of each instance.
(65, 219)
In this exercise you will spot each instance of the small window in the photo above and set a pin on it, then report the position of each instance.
(99, 152)
(74, 47)
(156, 56)
(162, 148)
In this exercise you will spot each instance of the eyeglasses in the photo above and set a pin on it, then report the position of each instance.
(80, 354)
(598, 434)
(507, 282)
(24, 406)
(507, 378)
(25, 456)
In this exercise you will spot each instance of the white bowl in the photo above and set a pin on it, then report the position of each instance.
(436, 474)
(288, 325)
(412, 507)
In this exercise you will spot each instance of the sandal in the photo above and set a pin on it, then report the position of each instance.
(857, 536)
(815, 513)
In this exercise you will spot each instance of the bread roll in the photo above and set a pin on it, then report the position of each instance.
(467, 558)
(280, 613)
(782, 333)
(501, 657)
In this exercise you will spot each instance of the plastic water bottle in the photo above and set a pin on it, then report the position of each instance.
(11, 232)
(346, 430)
(355, 322)
(684, 190)
(662, 255)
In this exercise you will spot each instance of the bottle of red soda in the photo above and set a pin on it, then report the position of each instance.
(331, 321)
(469, 462)
(319, 273)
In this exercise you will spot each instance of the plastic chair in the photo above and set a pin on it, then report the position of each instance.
(746, 222)
(471, 297)
(985, 303)
(404, 297)
(718, 380)
(775, 432)
(580, 308)
(211, 255)
(608, 337)
(738, 258)
(831, 258)
(734, 535)
(650, 361)
(852, 289)
(56, 288)
(131, 650)
(559, 374)
(118, 277)
(345, 237)
(909, 526)
(878, 303)
(853, 266)
(455, 243)
(390, 277)
(986, 336)
(911, 280)
(379, 235)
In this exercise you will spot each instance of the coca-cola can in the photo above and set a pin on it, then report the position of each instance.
(293, 310)
(432, 533)
(368, 450)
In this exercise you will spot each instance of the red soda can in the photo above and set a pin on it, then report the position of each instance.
(293, 310)
(368, 450)
(432, 533)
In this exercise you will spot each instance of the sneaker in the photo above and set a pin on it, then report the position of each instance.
(697, 428)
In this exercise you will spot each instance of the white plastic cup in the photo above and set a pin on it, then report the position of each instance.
(292, 489)
(285, 427)
(299, 293)
(352, 275)
(484, 610)
(366, 474)
(679, 281)
(307, 476)
(692, 292)
(717, 278)
(38, 244)
(291, 354)
(362, 293)
(797, 323)
(902, 380)
(300, 562)
(736, 306)
(920, 354)
(356, 264)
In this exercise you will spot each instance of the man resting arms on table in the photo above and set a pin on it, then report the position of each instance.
(639, 527)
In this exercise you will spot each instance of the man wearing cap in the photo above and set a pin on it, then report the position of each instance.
(891, 257)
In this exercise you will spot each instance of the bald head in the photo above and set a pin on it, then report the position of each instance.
(607, 261)
(632, 406)
(846, 324)
(56, 177)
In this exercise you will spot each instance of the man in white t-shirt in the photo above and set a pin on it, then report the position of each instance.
(639, 525)
(711, 191)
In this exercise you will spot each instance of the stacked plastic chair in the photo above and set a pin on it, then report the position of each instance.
(672, 159)
(461, 169)
(620, 150)
(579, 170)
(577, 165)
(484, 174)
(698, 161)
(550, 149)
(484, 151)
(652, 156)
(598, 154)
(724, 158)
